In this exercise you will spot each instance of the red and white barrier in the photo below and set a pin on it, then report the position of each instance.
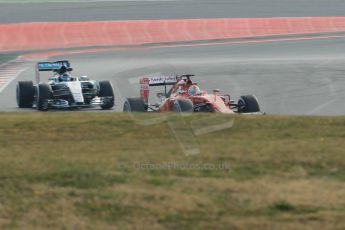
(49, 35)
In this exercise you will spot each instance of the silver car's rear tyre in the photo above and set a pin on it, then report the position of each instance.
(25, 94)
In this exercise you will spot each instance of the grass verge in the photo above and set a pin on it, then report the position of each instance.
(105, 171)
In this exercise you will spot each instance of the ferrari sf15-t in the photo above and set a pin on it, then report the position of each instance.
(186, 96)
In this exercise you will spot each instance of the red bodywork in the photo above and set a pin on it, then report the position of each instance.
(218, 102)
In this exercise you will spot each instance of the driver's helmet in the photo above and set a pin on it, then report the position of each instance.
(181, 87)
(65, 77)
(194, 90)
(63, 69)
(181, 83)
(189, 82)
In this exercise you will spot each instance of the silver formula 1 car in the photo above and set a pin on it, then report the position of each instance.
(62, 90)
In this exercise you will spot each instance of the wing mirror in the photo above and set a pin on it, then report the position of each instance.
(216, 91)
(160, 95)
(84, 78)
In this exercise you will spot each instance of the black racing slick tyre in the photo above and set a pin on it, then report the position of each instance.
(248, 104)
(25, 94)
(106, 92)
(134, 104)
(183, 106)
(43, 94)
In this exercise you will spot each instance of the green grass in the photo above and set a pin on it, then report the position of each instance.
(104, 170)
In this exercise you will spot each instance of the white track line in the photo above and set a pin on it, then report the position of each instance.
(10, 79)
(322, 106)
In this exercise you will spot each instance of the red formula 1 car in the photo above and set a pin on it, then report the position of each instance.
(186, 96)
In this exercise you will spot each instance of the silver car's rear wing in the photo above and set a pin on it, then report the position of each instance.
(51, 66)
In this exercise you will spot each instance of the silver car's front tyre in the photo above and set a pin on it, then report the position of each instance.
(43, 94)
(106, 92)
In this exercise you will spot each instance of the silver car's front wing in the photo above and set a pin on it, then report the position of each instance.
(63, 104)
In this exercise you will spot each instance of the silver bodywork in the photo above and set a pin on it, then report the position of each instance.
(75, 90)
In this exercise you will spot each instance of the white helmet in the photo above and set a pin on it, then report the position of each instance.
(194, 90)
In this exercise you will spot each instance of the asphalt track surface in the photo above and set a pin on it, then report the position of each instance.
(136, 10)
(289, 77)
(303, 77)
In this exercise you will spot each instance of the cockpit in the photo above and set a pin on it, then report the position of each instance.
(65, 77)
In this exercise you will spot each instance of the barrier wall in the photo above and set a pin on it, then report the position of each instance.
(48, 35)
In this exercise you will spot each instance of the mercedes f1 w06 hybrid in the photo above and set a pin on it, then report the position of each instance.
(186, 96)
(62, 90)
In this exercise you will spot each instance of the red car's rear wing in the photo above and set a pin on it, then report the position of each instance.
(146, 82)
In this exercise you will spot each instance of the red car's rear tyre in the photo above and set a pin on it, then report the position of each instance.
(135, 104)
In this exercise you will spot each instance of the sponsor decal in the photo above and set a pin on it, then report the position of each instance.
(163, 80)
